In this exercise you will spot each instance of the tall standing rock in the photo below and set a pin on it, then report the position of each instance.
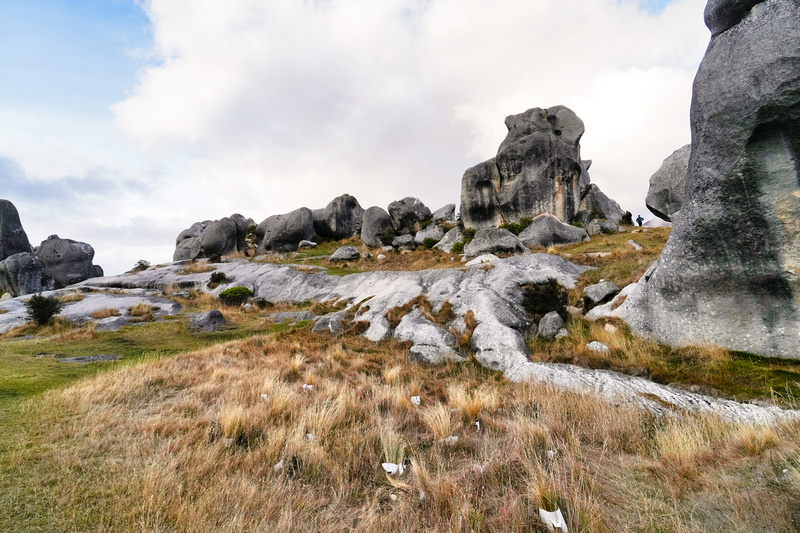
(67, 261)
(340, 219)
(730, 272)
(375, 223)
(22, 273)
(226, 236)
(13, 239)
(538, 169)
(283, 233)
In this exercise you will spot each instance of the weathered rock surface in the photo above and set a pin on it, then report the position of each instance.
(211, 320)
(450, 238)
(494, 241)
(13, 239)
(599, 227)
(375, 223)
(67, 261)
(404, 242)
(537, 169)
(667, 185)
(446, 213)
(431, 232)
(493, 295)
(408, 215)
(432, 344)
(595, 204)
(345, 253)
(22, 273)
(550, 325)
(730, 272)
(547, 230)
(211, 238)
(340, 219)
(599, 293)
(283, 233)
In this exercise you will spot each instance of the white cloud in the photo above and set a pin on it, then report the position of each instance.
(283, 104)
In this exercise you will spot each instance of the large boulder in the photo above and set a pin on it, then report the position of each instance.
(375, 223)
(434, 232)
(450, 238)
(67, 261)
(212, 238)
(729, 273)
(340, 219)
(665, 195)
(538, 169)
(409, 215)
(446, 213)
(283, 233)
(494, 241)
(13, 239)
(21, 274)
(547, 230)
(595, 204)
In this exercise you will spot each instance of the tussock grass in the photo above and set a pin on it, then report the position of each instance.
(143, 312)
(71, 297)
(105, 313)
(218, 439)
(192, 267)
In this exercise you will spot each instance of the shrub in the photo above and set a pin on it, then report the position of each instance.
(388, 236)
(235, 295)
(468, 234)
(457, 248)
(513, 227)
(429, 242)
(541, 298)
(41, 309)
(578, 225)
(218, 277)
(140, 265)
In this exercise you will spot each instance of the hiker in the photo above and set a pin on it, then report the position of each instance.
(639, 220)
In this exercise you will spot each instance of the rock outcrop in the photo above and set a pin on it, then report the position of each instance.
(340, 219)
(596, 205)
(67, 261)
(211, 238)
(730, 273)
(494, 241)
(283, 233)
(538, 169)
(375, 223)
(665, 195)
(409, 215)
(23, 273)
(13, 239)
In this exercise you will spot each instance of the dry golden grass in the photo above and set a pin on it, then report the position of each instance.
(226, 439)
(143, 312)
(192, 267)
(105, 313)
(71, 297)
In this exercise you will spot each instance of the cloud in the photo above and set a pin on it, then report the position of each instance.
(283, 104)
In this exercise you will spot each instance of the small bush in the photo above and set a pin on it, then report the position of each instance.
(429, 242)
(140, 265)
(457, 248)
(468, 234)
(578, 225)
(41, 309)
(218, 277)
(235, 296)
(388, 236)
(541, 298)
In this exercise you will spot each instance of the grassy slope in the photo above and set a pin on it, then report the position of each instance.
(140, 443)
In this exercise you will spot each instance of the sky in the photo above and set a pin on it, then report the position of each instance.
(122, 122)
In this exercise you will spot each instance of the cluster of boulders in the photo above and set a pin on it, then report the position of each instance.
(55, 263)
(538, 169)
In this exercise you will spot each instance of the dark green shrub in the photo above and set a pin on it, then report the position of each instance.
(41, 309)
(218, 277)
(468, 234)
(513, 227)
(140, 265)
(577, 225)
(457, 248)
(388, 236)
(541, 298)
(235, 296)
(429, 242)
(524, 222)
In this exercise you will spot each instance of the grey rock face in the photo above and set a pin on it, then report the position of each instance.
(547, 230)
(219, 238)
(211, 320)
(330, 323)
(729, 272)
(446, 213)
(599, 227)
(599, 293)
(21, 274)
(212, 238)
(13, 239)
(431, 232)
(537, 170)
(187, 244)
(494, 241)
(595, 204)
(408, 215)
(283, 233)
(665, 195)
(340, 219)
(450, 238)
(550, 325)
(431, 343)
(375, 222)
(404, 242)
(66, 261)
(345, 253)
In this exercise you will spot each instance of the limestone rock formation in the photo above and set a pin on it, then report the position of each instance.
(283, 233)
(212, 320)
(22, 273)
(13, 239)
(340, 219)
(375, 223)
(538, 169)
(599, 227)
(730, 272)
(494, 241)
(408, 215)
(446, 213)
(431, 232)
(345, 253)
(450, 238)
(226, 236)
(67, 261)
(665, 195)
(547, 230)
(595, 204)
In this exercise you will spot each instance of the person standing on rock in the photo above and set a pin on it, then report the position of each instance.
(639, 220)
